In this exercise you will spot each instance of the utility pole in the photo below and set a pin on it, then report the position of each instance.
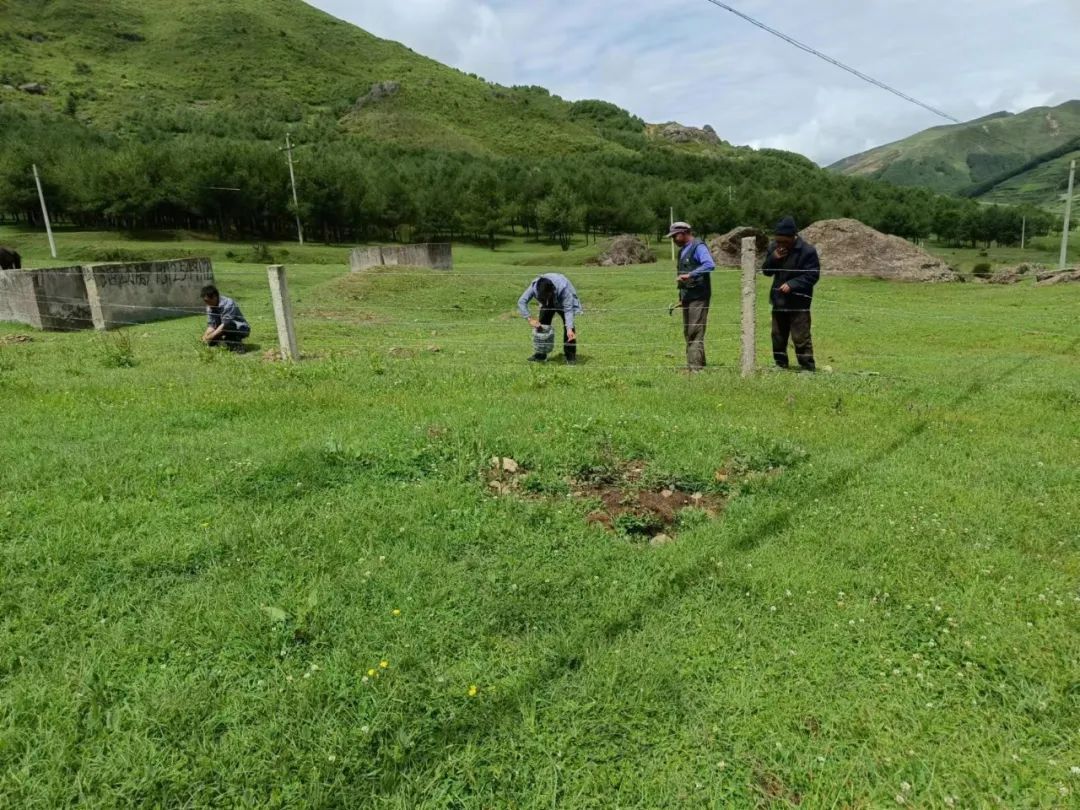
(1068, 217)
(45, 212)
(673, 257)
(288, 150)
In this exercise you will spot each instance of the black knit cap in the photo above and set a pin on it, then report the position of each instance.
(787, 227)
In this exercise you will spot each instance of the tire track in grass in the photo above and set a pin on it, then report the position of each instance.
(571, 656)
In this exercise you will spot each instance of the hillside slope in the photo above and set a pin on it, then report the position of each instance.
(163, 115)
(952, 159)
(124, 65)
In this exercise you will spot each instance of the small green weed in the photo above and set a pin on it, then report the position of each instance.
(115, 350)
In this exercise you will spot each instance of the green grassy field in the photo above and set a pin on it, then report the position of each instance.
(228, 582)
(1044, 250)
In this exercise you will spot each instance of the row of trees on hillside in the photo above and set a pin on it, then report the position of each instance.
(352, 190)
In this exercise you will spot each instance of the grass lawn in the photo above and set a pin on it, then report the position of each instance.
(1044, 250)
(228, 582)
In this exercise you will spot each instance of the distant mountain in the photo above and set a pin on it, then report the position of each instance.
(257, 67)
(165, 114)
(1020, 158)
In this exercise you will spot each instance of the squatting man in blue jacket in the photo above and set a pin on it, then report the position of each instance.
(225, 323)
(557, 296)
(795, 269)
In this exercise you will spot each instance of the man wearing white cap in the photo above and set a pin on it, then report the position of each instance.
(694, 277)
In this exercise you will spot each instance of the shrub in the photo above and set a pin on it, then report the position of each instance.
(260, 254)
(115, 351)
(982, 270)
(112, 255)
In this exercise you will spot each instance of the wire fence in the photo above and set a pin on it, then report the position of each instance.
(374, 323)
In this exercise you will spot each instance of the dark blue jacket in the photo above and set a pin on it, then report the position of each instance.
(801, 270)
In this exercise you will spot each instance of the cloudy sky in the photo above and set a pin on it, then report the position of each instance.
(689, 61)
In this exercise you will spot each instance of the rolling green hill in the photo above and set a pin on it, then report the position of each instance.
(985, 152)
(264, 65)
(147, 114)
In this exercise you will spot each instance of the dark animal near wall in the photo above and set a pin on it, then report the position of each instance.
(10, 259)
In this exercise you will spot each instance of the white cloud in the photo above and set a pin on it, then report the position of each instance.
(688, 60)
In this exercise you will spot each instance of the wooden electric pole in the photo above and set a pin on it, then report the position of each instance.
(1068, 217)
(288, 150)
(45, 212)
(673, 256)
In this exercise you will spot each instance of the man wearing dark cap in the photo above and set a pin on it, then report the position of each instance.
(795, 270)
(693, 275)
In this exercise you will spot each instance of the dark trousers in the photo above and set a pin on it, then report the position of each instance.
(695, 316)
(547, 317)
(233, 337)
(793, 326)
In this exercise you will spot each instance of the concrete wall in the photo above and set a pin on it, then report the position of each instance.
(145, 291)
(53, 299)
(62, 300)
(436, 256)
(18, 303)
(103, 296)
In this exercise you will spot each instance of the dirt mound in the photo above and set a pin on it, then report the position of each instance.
(626, 250)
(727, 249)
(1014, 275)
(1051, 277)
(850, 248)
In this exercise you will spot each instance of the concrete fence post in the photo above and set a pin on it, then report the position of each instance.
(279, 293)
(93, 298)
(749, 306)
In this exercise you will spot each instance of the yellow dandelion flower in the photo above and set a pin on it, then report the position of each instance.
(473, 690)
(384, 665)
(395, 612)
(372, 673)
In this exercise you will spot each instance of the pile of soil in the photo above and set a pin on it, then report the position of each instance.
(850, 248)
(1014, 275)
(626, 250)
(727, 249)
(12, 340)
(1050, 277)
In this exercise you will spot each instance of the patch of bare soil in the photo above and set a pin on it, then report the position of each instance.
(626, 504)
(625, 498)
(773, 791)
(15, 340)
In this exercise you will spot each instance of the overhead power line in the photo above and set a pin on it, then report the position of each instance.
(854, 72)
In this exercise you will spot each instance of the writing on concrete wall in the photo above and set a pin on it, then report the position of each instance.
(103, 296)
